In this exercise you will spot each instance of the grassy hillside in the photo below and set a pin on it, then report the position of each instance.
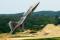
(33, 22)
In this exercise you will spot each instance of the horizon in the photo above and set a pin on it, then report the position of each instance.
(35, 12)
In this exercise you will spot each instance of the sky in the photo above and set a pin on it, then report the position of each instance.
(18, 6)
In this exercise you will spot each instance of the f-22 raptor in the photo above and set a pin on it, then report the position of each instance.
(14, 25)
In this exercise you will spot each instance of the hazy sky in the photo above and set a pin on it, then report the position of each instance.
(16, 6)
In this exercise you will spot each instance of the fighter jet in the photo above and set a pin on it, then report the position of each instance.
(14, 25)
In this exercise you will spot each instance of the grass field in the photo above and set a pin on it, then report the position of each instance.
(49, 32)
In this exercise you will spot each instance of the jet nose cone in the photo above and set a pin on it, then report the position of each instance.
(38, 3)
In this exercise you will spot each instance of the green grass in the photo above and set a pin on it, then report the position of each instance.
(45, 39)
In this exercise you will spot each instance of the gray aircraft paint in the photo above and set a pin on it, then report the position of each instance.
(30, 10)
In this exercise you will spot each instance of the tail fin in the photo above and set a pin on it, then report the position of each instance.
(12, 25)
